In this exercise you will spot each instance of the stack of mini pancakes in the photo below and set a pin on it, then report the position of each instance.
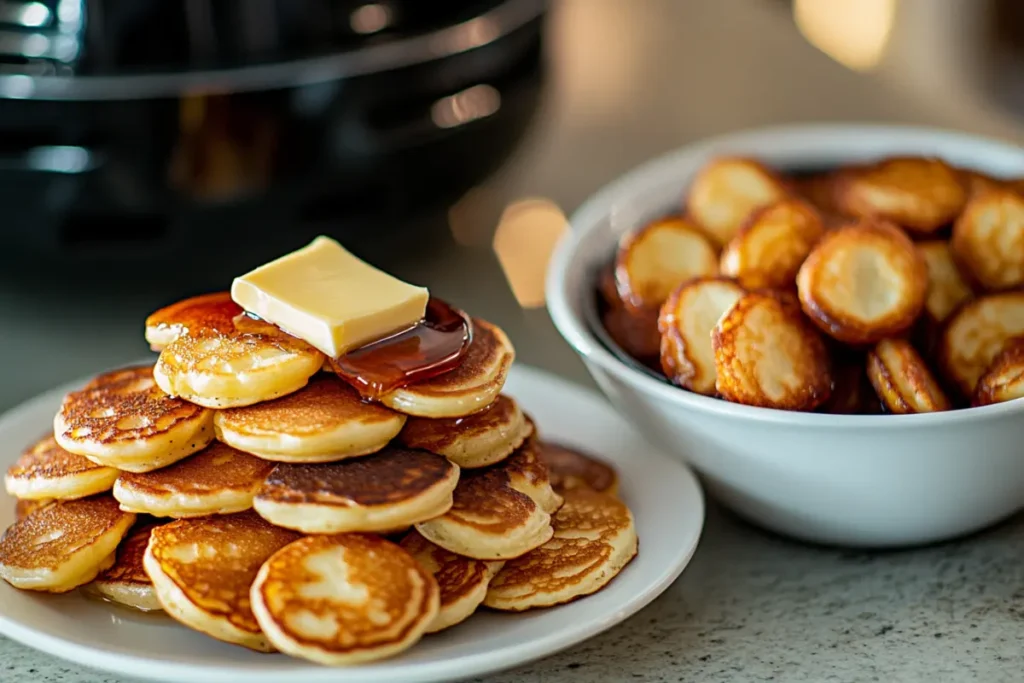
(243, 488)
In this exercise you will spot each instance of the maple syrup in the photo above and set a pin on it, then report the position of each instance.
(428, 349)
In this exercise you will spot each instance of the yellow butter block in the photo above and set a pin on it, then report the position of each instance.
(329, 298)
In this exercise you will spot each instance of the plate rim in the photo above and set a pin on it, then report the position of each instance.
(463, 667)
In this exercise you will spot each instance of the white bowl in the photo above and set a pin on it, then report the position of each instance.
(856, 480)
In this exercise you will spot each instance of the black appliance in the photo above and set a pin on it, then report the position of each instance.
(130, 128)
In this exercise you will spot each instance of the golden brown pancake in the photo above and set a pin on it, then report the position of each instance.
(122, 419)
(594, 539)
(46, 471)
(217, 480)
(344, 599)
(477, 440)
(528, 473)
(63, 545)
(489, 519)
(214, 311)
(126, 582)
(325, 421)
(469, 388)
(255, 362)
(24, 508)
(463, 581)
(571, 469)
(382, 492)
(202, 570)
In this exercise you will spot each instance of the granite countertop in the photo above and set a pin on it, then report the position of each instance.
(631, 80)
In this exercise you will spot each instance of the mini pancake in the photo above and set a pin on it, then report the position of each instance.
(947, 289)
(594, 539)
(727, 190)
(253, 363)
(919, 194)
(528, 473)
(819, 190)
(478, 440)
(976, 334)
(202, 570)
(771, 246)
(1004, 379)
(686, 322)
(463, 581)
(214, 311)
(902, 380)
(64, 545)
(123, 419)
(325, 421)
(976, 182)
(490, 519)
(25, 507)
(571, 469)
(126, 582)
(218, 480)
(469, 388)
(863, 283)
(389, 490)
(46, 471)
(345, 599)
(653, 261)
(636, 332)
(988, 239)
(768, 355)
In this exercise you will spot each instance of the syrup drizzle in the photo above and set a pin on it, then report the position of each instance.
(428, 349)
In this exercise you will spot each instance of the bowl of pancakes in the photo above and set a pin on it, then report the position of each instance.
(826, 321)
(243, 488)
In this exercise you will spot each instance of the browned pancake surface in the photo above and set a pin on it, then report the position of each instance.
(326, 403)
(123, 405)
(127, 567)
(572, 469)
(485, 500)
(397, 590)
(214, 560)
(214, 311)
(437, 435)
(526, 465)
(392, 475)
(47, 537)
(584, 528)
(47, 460)
(216, 468)
(24, 508)
(490, 348)
(456, 576)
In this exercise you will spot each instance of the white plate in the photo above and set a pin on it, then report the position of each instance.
(664, 496)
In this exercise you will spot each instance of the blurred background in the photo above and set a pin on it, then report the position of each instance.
(154, 149)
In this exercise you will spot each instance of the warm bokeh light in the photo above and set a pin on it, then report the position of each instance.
(855, 33)
(471, 218)
(370, 18)
(526, 236)
(477, 102)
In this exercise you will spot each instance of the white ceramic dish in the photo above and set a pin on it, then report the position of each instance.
(887, 480)
(664, 496)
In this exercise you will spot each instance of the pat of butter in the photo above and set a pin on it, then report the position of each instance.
(329, 298)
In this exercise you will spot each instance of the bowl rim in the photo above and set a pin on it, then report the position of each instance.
(864, 140)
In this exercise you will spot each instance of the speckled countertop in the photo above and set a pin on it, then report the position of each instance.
(754, 607)
(630, 80)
